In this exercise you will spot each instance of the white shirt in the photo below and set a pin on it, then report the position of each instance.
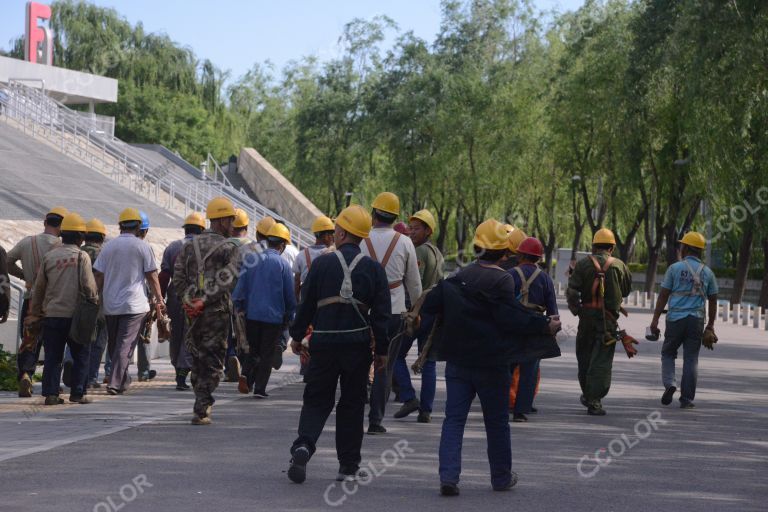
(289, 254)
(402, 265)
(124, 261)
(300, 265)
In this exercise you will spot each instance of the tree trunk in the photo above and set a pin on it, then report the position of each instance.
(763, 302)
(742, 267)
(650, 272)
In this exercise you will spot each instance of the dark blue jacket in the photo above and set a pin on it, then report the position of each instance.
(482, 322)
(540, 292)
(369, 285)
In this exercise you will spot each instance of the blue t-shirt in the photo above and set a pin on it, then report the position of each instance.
(679, 281)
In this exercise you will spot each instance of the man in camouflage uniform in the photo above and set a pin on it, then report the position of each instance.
(204, 276)
(595, 291)
(94, 240)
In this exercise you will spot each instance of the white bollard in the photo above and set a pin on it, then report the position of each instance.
(726, 311)
(747, 315)
(736, 314)
(757, 317)
(644, 302)
(636, 297)
(559, 288)
(654, 299)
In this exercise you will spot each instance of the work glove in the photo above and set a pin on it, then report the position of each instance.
(194, 308)
(710, 338)
(628, 341)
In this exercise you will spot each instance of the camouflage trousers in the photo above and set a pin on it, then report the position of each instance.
(206, 341)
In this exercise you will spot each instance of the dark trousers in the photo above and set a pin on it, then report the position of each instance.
(180, 356)
(348, 365)
(123, 331)
(526, 385)
(382, 379)
(491, 385)
(594, 358)
(262, 339)
(97, 351)
(55, 339)
(686, 332)
(143, 365)
(28, 356)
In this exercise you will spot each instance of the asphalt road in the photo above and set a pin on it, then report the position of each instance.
(138, 452)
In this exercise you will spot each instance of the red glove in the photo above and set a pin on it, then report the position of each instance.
(194, 308)
(628, 341)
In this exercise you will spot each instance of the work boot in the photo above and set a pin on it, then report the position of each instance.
(233, 369)
(350, 474)
(148, 375)
(297, 471)
(510, 485)
(424, 417)
(519, 417)
(181, 383)
(687, 405)
(449, 490)
(407, 408)
(94, 384)
(205, 419)
(25, 386)
(53, 400)
(583, 401)
(79, 399)
(666, 398)
(277, 358)
(243, 386)
(66, 373)
(260, 394)
(376, 429)
(595, 409)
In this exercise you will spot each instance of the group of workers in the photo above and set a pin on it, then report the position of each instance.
(352, 305)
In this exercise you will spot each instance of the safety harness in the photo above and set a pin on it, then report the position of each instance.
(598, 284)
(345, 295)
(697, 288)
(387, 255)
(525, 285)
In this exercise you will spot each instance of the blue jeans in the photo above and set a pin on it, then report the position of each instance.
(55, 339)
(428, 373)
(526, 385)
(687, 332)
(491, 385)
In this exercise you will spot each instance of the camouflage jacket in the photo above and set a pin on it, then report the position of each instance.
(214, 280)
(92, 251)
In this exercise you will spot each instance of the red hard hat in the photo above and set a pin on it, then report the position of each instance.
(531, 246)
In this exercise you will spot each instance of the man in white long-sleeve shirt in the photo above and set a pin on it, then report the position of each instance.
(397, 255)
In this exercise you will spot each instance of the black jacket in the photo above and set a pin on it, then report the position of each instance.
(482, 322)
(369, 285)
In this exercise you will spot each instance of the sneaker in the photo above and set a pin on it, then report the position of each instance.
(66, 373)
(94, 384)
(53, 400)
(75, 399)
(297, 471)
(233, 369)
(350, 474)
(687, 405)
(583, 401)
(510, 485)
(424, 417)
(113, 391)
(407, 408)
(151, 374)
(666, 398)
(277, 358)
(260, 394)
(376, 429)
(243, 386)
(519, 417)
(181, 383)
(25, 386)
(595, 410)
(143, 377)
(449, 490)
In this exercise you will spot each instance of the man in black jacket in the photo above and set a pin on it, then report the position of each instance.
(346, 300)
(482, 328)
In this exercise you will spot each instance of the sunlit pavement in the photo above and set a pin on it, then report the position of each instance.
(139, 452)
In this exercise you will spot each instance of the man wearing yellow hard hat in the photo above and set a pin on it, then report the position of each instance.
(322, 228)
(478, 338)
(29, 252)
(397, 255)
(65, 276)
(595, 291)
(204, 276)
(346, 299)
(181, 359)
(95, 234)
(689, 287)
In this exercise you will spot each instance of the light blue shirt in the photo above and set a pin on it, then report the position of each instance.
(679, 281)
(265, 288)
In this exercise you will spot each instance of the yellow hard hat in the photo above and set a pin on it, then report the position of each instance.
(426, 217)
(265, 225)
(694, 239)
(130, 215)
(219, 208)
(387, 202)
(492, 235)
(73, 222)
(279, 231)
(96, 226)
(356, 220)
(604, 236)
(322, 223)
(58, 210)
(241, 218)
(515, 238)
(194, 219)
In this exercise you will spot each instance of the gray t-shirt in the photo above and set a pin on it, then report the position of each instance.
(124, 261)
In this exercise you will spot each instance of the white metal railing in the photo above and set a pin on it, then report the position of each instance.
(82, 138)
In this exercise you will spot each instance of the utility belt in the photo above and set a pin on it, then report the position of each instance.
(395, 284)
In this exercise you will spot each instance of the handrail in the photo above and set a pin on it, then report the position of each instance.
(81, 138)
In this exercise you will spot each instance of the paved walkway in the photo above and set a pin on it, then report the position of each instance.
(138, 452)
